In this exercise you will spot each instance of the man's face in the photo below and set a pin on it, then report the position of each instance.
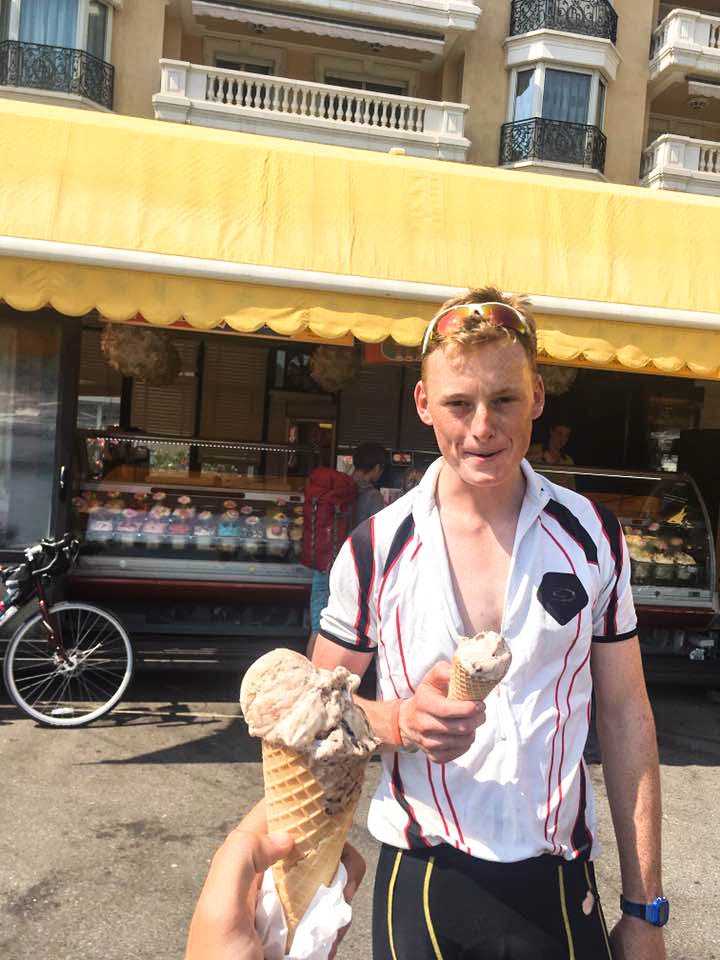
(481, 403)
(559, 436)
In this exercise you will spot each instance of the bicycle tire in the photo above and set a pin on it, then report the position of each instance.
(56, 694)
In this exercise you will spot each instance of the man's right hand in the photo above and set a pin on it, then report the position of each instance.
(444, 729)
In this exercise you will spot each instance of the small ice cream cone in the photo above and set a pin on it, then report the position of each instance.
(463, 686)
(295, 802)
(478, 666)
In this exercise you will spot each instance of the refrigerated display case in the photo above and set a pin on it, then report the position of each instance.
(672, 553)
(189, 508)
(191, 541)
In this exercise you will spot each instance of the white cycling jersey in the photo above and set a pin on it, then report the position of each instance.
(522, 789)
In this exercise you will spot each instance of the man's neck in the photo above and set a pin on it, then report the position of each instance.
(480, 505)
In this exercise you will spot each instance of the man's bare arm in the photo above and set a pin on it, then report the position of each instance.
(626, 730)
(444, 729)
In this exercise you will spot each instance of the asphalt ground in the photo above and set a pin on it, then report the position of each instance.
(107, 832)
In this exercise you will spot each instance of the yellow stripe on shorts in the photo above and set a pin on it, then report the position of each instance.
(563, 908)
(426, 909)
(391, 891)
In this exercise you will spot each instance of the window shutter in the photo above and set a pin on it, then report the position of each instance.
(233, 401)
(369, 407)
(169, 410)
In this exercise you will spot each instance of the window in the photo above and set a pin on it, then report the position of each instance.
(566, 96)
(54, 23)
(4, 19)
(247, 66)
(374, 86)
(600, 112)
(97, 29)
(29, 377)
(551, 93)
(524, 95)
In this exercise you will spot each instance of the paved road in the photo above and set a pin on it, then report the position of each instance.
(107, 832)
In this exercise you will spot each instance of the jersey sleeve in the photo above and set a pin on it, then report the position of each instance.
(614, 616)
(350, 617)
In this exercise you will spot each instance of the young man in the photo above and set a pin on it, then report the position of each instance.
(485, 812)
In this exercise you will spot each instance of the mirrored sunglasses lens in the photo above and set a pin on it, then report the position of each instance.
(452, 320)
(503, 316)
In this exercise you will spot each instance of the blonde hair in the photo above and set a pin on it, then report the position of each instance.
(476, 331)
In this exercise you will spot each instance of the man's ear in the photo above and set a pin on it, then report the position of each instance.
(538, 396)
(421, 403)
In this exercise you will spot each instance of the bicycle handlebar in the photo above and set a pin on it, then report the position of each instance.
(62, 552)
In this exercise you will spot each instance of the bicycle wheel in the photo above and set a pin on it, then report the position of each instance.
(76, 691)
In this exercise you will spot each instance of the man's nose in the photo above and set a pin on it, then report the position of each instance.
(482, 422)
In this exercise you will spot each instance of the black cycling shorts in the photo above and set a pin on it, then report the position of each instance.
(441, 904)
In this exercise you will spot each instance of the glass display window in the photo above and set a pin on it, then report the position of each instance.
(666, 528)
(140, 496)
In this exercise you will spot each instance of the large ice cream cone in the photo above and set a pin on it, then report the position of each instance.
(478, 666)
(295, 801)
(316, 744)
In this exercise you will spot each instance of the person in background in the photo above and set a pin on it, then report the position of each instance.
(368, 463)
(552, 452)
(368, 466)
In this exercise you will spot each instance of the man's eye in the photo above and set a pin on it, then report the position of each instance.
(508, 399)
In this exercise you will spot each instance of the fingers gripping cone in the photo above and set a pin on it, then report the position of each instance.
(295, 801)
(478, 666)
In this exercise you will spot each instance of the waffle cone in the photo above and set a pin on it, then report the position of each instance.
(295, 802)
(463, 686)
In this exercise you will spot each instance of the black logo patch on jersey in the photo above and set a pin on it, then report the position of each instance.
(562, 595)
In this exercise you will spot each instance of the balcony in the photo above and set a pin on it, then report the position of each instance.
(36, 66)
(434, 15)
(685, 44)
(553, 146)
(315, 112)
(680, 163)
(591, 18)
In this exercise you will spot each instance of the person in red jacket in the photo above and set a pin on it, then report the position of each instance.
(334, 505)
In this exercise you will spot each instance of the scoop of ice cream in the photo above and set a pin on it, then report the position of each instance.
(486, 656)
(291, 703)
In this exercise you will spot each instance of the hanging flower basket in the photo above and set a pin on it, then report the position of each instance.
(141, 352)
(334, 368)
(557, 380)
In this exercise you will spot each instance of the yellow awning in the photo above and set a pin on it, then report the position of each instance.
(133, 216)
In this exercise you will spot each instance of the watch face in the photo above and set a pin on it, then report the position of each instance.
(661, 910)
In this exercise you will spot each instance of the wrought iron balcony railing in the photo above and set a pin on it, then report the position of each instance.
(592, 18)
(555, 141)
(60, 69)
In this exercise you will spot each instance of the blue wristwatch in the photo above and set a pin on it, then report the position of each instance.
(657, 913)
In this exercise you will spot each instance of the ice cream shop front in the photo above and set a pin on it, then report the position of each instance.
(181, 348)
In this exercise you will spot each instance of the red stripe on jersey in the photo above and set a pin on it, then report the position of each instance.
(400, 646)
(557, 694)
(452, 806)
(415, 551)
(437, 804)
(565, 723)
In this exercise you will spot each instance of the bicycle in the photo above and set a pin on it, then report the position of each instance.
(70, 663)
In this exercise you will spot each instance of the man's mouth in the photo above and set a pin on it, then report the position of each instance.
(482, 454)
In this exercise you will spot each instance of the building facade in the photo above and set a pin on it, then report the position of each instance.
(625, 91)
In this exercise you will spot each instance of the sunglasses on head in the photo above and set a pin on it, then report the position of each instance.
(454, 318)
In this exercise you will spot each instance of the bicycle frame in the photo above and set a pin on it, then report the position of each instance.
(55, 644)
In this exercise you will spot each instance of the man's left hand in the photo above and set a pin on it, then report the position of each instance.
(633, 939)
